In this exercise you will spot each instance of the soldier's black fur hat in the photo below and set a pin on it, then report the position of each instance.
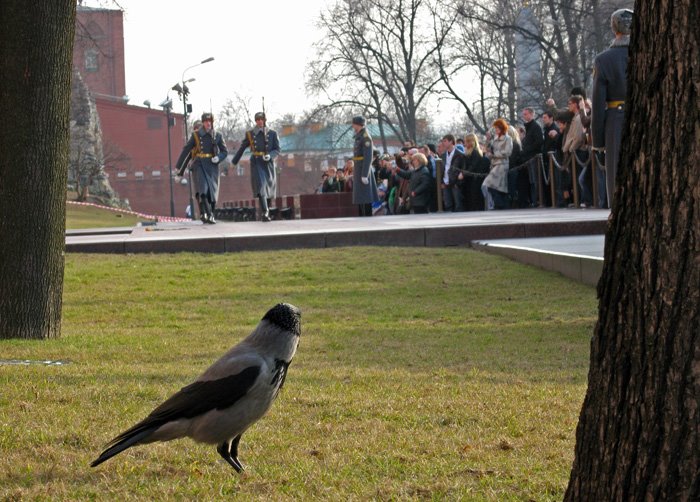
(260, 115)
(621, 21)
(359, 120)
(207, 116)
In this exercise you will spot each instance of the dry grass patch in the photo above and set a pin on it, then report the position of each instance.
(421, 374)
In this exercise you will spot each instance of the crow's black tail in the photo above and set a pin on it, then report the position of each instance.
(125, 440)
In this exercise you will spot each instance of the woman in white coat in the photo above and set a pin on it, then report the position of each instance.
(495, 186)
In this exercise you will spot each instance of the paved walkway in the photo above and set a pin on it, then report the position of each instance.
(577, 257)
(439, 229)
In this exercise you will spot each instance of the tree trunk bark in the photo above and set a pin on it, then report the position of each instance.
(638, 436)
(36, 51)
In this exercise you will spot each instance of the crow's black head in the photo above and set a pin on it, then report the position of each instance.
(285, 316)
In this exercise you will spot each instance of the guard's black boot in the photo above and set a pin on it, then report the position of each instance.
(202, 210)
(264, 209)
(212, 207)
(205, 210)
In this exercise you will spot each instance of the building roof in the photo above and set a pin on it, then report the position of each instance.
(331, 138)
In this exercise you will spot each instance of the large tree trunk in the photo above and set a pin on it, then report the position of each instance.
(36, 50)
(638, 436)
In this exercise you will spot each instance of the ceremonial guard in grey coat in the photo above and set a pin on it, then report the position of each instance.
(364, 182)
(264, 148)
(608, 97)
(206, 148)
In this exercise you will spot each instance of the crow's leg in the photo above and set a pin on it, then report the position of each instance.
(234, 453)
(224, 449)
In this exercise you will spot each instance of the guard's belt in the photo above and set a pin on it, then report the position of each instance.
(615, 104)
(358, 158)
(205, 155)
(258, 154)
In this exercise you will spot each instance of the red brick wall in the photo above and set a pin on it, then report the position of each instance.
(152, 195)
(102, 32)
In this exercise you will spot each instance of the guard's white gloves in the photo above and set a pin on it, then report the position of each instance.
(266, 157)
(365, 181)
(215, 159)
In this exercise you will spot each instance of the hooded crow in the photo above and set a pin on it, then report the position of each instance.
(231, 395)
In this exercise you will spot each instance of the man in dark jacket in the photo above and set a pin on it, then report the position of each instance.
(531, 146)
(551, 131)
(264, 148)
(206, 148)
(550, 144)
(453, 162)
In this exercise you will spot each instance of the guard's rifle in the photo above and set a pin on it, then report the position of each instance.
(265, 126)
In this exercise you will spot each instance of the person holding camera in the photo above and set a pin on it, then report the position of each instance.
(264, 148)
(419, 183)
(332, 183)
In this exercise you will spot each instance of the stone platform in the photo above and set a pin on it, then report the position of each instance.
(430, 230)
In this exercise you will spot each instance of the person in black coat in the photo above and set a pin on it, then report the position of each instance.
(513, 163)
(531, 146)
(419, 182)
(476, 167)
(453, 162)
(331, 184)
(551, 143)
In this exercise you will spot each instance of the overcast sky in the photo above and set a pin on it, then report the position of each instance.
(259, 49)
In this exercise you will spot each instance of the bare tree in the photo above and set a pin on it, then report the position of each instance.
(376, 57)
(234, 118)
(569, 34)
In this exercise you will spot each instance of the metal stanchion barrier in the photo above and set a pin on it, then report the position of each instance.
(594, 176)
(439, 173)
(540, 186)
(574, 178)
(552, 179)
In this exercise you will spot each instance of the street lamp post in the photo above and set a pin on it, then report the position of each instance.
(183, 91)
(167, 106)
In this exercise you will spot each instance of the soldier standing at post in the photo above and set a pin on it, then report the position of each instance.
(609, 91)
(264, 148)
(364, 183)
(206, 148)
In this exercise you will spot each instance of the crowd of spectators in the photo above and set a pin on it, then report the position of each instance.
(506, 168)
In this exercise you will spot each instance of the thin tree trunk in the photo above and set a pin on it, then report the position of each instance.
(638, 436)
(36, 59)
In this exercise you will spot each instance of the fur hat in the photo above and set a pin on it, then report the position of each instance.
(260, 116)
(359, 120)
(501, 123)
(621, 21)
(207, 116)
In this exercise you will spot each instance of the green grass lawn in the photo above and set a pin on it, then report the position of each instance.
(439, 374)
(78, 217)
